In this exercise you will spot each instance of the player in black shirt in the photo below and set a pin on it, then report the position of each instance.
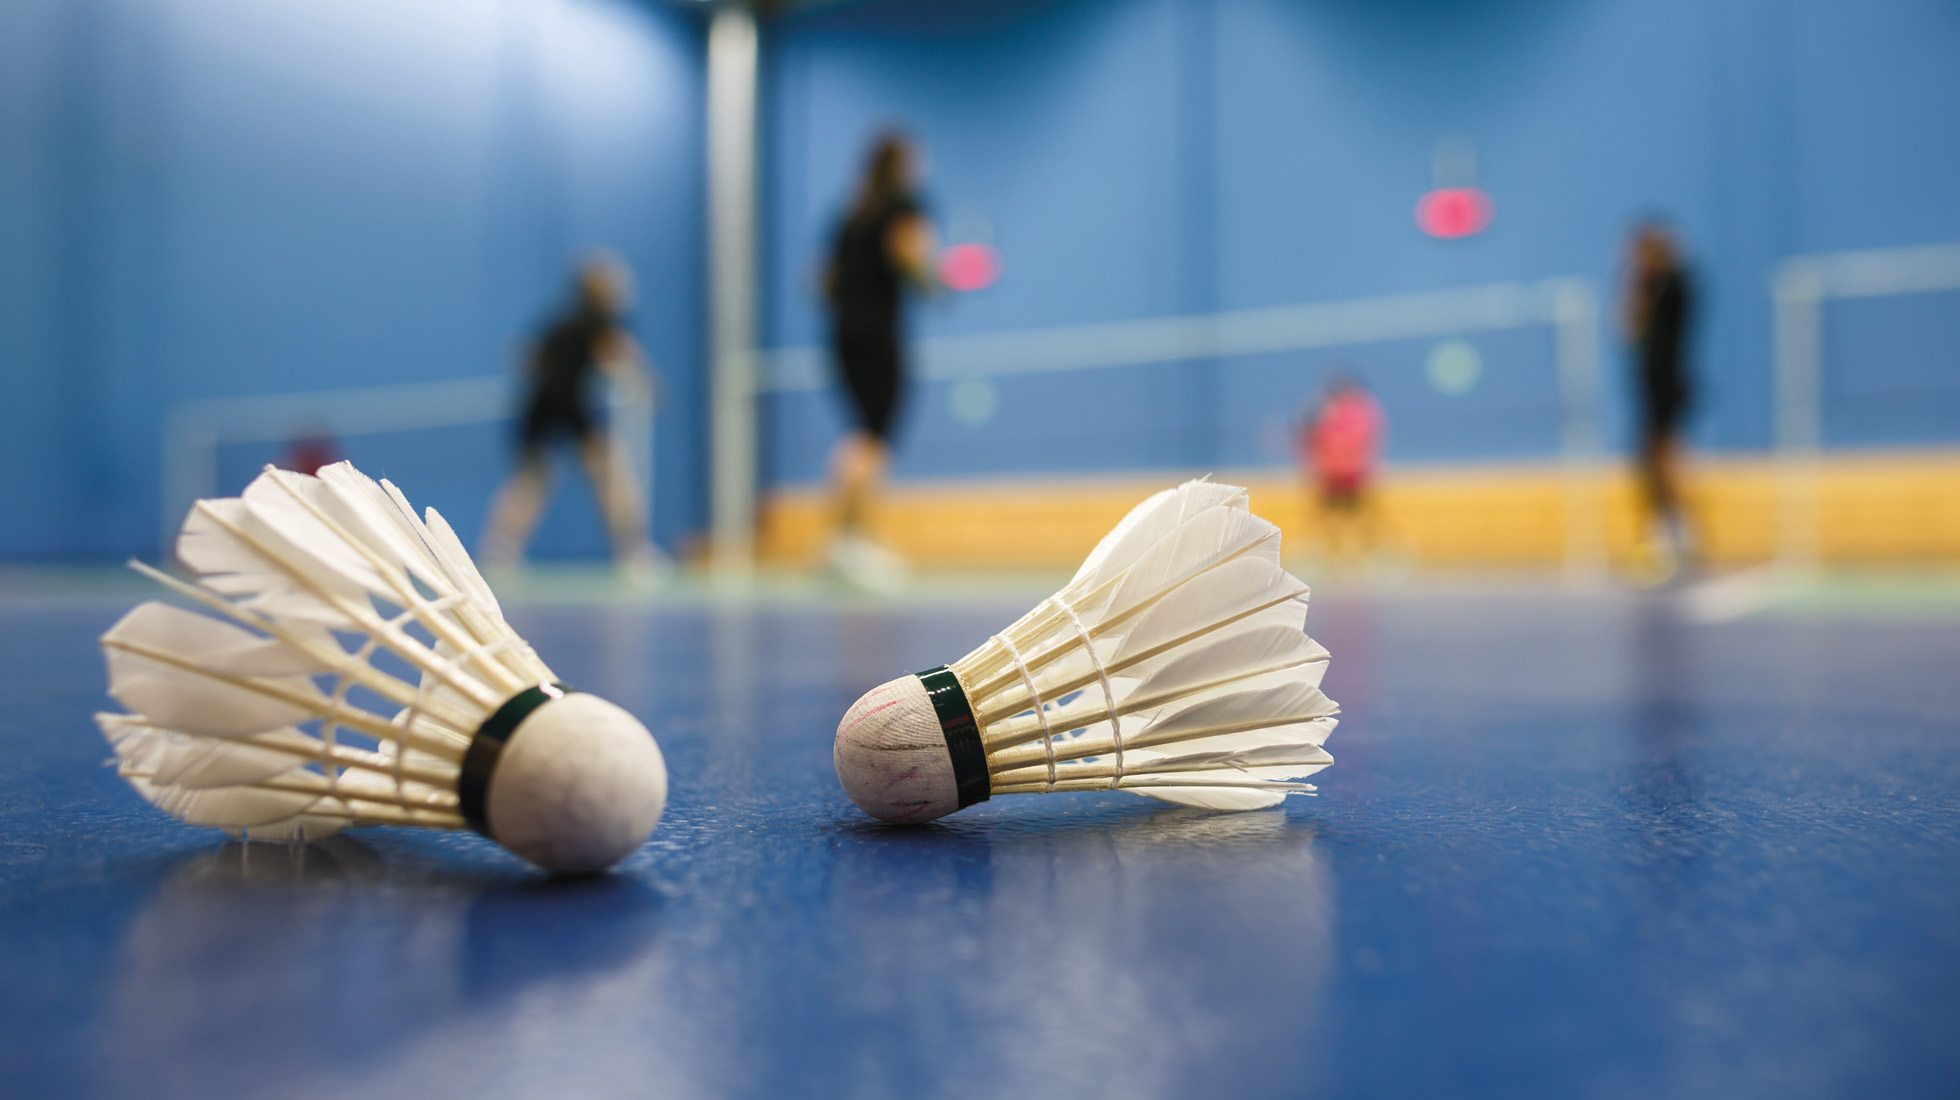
(1659, 308)
(884, 243)
(587, 338)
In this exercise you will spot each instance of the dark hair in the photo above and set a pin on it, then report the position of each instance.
(602, 285)
(884, 179)
(1654, 234)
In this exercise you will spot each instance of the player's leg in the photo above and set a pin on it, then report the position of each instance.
(1367, 519)
(515, 510)
(873, 380)
(859, 468)
(618, 493)
(1668, 507)
(1659, 556)
(1339, 498)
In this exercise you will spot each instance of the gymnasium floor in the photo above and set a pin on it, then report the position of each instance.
(1574, 845)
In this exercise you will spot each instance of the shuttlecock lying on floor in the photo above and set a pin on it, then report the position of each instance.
(1174, 665)
(482, 737)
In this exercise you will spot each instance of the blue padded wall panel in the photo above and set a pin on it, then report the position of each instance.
(1144, 158)
(220, 198)
(1892, 370)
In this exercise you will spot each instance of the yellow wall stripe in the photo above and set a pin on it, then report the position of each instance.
(1878, 507)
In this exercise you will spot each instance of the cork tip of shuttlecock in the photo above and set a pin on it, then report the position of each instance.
(579, 787)
(892, 758)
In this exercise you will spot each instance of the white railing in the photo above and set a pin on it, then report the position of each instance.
(1799, 289)
(193, 431)
(1569, 306)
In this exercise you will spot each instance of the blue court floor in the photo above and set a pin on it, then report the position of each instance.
(1572, 846)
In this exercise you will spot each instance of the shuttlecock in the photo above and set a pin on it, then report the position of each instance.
(1175, 665)
(481, 735)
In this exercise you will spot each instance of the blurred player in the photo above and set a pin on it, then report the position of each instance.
(310, 448)
(884, 244)
(1340, 444)
(588, 337)
(1657, 310)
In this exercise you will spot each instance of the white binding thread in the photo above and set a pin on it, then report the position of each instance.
(1040, 711)
(1109, 693)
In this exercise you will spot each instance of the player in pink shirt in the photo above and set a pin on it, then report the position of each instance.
(1340, 446)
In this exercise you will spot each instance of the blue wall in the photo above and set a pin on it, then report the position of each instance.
(1140, 158)
(208, 198)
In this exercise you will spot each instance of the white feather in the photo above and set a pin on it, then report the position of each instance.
(1240, 710)
(1213, 538)
(229, 807)
(456, 561)
(213, 643)
(236, 555)
(1231, 799)
(1288, 760)
(245, 723)
(1147, 524)
(209, 705)
(1195, 546)
(432, 554)
(199, 763)
(1234, 655)
(1203, 605)
(288, 507)
(1194, 641)
(361, 507)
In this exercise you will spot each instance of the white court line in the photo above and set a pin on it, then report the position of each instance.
(1738, 595)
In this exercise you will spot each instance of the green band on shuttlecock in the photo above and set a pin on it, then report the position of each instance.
(480, 762)
(962, 734)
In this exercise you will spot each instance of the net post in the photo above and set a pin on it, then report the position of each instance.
(1797, 292)
(1574, 315)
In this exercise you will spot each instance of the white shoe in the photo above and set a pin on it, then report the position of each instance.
(867, 565)
(1656, 559)
(499, 554)
(645, 568)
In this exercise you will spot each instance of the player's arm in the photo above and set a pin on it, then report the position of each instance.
(911, 245)
(624, 363)
(1636, 305)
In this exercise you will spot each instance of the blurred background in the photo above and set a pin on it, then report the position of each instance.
(235, 232)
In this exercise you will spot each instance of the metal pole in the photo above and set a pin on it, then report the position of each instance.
(1575, 317)
(732, 54)
(1798, 292)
